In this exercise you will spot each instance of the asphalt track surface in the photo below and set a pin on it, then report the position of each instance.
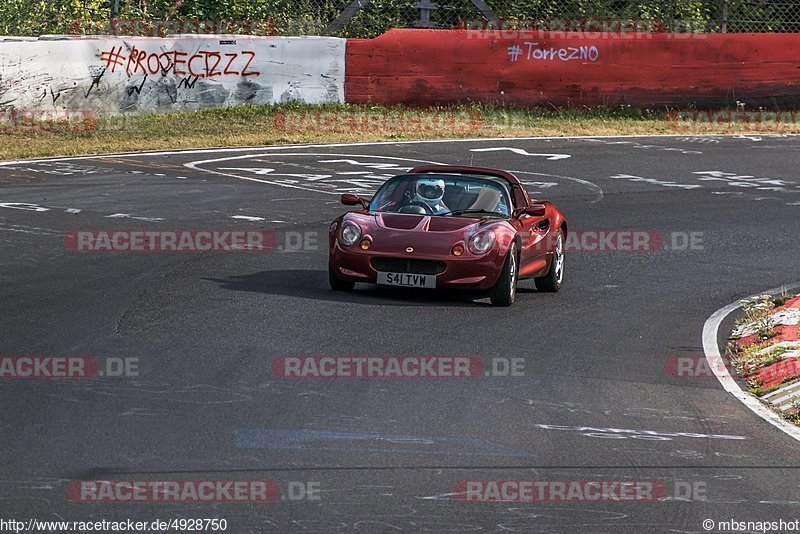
(596, 401)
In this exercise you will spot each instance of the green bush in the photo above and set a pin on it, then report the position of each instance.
(311, 17)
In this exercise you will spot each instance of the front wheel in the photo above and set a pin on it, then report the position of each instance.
(551, 282)
(505, 290)
(338, 284)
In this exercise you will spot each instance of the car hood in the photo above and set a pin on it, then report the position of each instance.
(428, 223)
(430, 237)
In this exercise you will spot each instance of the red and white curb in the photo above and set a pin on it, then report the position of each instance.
(717, 365)
(784, 372)
(784, 398)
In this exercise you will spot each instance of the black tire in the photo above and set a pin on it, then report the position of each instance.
(505, 289)
(338, 284)
(552, 281)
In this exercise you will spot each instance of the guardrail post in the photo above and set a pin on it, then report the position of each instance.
(487, 12)
(724, 22)
(345, 17)
(425, 7)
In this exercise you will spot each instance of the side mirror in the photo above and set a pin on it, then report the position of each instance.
(349, 199)
(535, 210)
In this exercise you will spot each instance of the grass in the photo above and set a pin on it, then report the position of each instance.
(295, 124)
(755, 309)
(761, 391)
(748, 360)
(793, 416)
(756, 312)
(782, 298)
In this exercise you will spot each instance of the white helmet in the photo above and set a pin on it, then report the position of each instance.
(430, 191)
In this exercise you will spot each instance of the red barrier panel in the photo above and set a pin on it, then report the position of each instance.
(436, 67)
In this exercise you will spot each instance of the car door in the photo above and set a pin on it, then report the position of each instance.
(533, 231)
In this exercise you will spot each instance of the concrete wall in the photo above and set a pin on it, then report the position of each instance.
(414, 67)
(114, 75)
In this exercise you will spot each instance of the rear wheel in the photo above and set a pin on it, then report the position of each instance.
(338, 284)
(505, 290)
(551, 282)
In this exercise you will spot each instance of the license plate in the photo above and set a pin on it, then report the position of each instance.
(407, 280)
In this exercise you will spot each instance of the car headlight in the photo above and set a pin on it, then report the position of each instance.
(350, 233)
(481, 242)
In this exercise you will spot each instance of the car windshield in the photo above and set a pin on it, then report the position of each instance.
(452, 196)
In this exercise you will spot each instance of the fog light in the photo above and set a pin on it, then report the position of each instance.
(365, 244)
(458, 250)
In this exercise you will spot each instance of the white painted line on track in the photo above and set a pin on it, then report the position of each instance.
(716, 363)
(219, 150)
(129, 216)
(194, 166)
(25, 206)
(522, 152)
(596, 188)
(21, 231)
(7, 227)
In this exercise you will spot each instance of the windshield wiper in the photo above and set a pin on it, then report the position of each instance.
(462, 212)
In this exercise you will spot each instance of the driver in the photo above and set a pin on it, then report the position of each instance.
(431, 192)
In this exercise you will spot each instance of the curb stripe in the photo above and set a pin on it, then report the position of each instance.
(714, 357)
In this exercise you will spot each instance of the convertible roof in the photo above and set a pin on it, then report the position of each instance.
(464, 169)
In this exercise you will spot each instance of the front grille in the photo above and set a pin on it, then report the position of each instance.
(409, 266)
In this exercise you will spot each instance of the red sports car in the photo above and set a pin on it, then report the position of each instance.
(440, 226)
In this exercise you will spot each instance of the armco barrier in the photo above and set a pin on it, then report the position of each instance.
(113, 75)
(434, 67)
